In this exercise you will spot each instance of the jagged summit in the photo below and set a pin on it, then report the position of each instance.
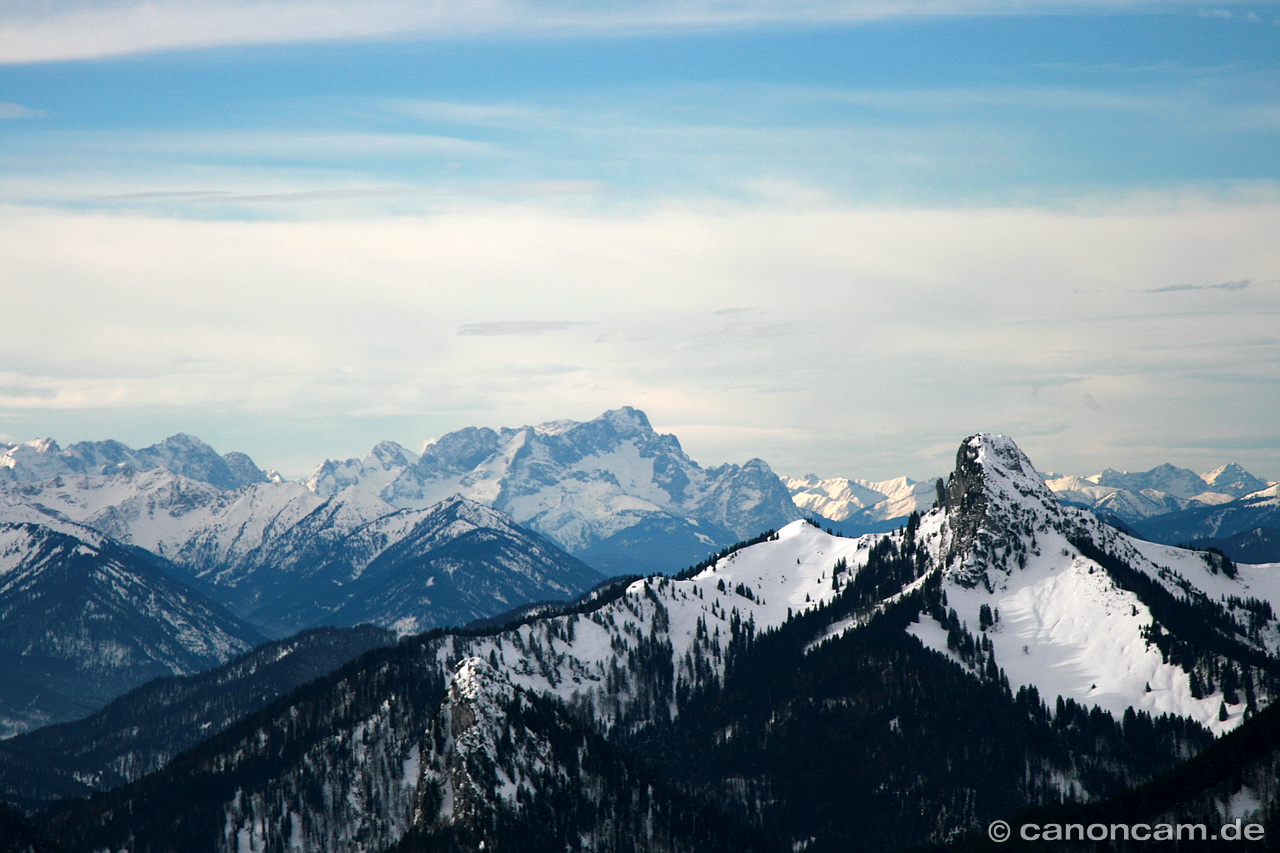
(993, 483)
(1004, 463)
(1231, 479)
(860, 502)
(475, 676)
(627, 418)
(612, 490)
(1167, 478)
(181, 454)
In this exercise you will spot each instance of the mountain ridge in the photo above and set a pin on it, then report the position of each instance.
(1035, 615)
(84, 619)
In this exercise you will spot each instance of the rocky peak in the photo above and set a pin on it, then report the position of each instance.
(243, 468)
(459, 451)
(470, 765)
(628, 419)
(190, 457)
(1232, 479)
(993, 496)
(181, 454)
(390, 454)
(1167, 478)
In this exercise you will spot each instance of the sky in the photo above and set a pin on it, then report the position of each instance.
(838, 236)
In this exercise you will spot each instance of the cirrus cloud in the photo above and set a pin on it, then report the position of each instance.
(86, 29)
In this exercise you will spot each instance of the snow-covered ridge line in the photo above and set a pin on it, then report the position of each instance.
(612, 490)
(1011, 563)
(1129, 496)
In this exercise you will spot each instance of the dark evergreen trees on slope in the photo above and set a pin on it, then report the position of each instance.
(331, 766)
(140, 731)
(20, 835)
(868, 741)
(513, 772)
(84, 619)
(1198, 791)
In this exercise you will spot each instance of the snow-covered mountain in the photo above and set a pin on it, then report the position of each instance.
(283, 556)
(1231, 479)
(411, 570)
(43, 459)
(860, 501)
(825, 690)
(1257, 511)
(82, 619)
(1137, 496)
(611, 490)
(1098, 616)
(1076, 601)
(1130, 498)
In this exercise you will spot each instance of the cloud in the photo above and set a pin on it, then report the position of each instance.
(1251, 16)
(86, 29)
(1226, 285)
(512, 188)
(483, 115)
(906, 327)
(318, 146)
(16, 111)
(518, 327)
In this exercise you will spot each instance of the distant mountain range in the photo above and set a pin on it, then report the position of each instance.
(860, 502)
(611, 491)
(804, 691)
(476, 525)
(1226, 508)
(1133, 497)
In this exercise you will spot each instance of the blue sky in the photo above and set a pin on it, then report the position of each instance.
(839, 236)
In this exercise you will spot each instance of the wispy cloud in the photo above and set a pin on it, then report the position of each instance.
(519, 327)
(85, 29)
(15, 111)
(1225, 285)
(513, 188)
(1169, 66)
(479, 114)
(295, 144)
(1249, 16)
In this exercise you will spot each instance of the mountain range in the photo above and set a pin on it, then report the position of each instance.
(475, 525)
(801, 691)
(611, 491)
(860, 502)
(1227, 509)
